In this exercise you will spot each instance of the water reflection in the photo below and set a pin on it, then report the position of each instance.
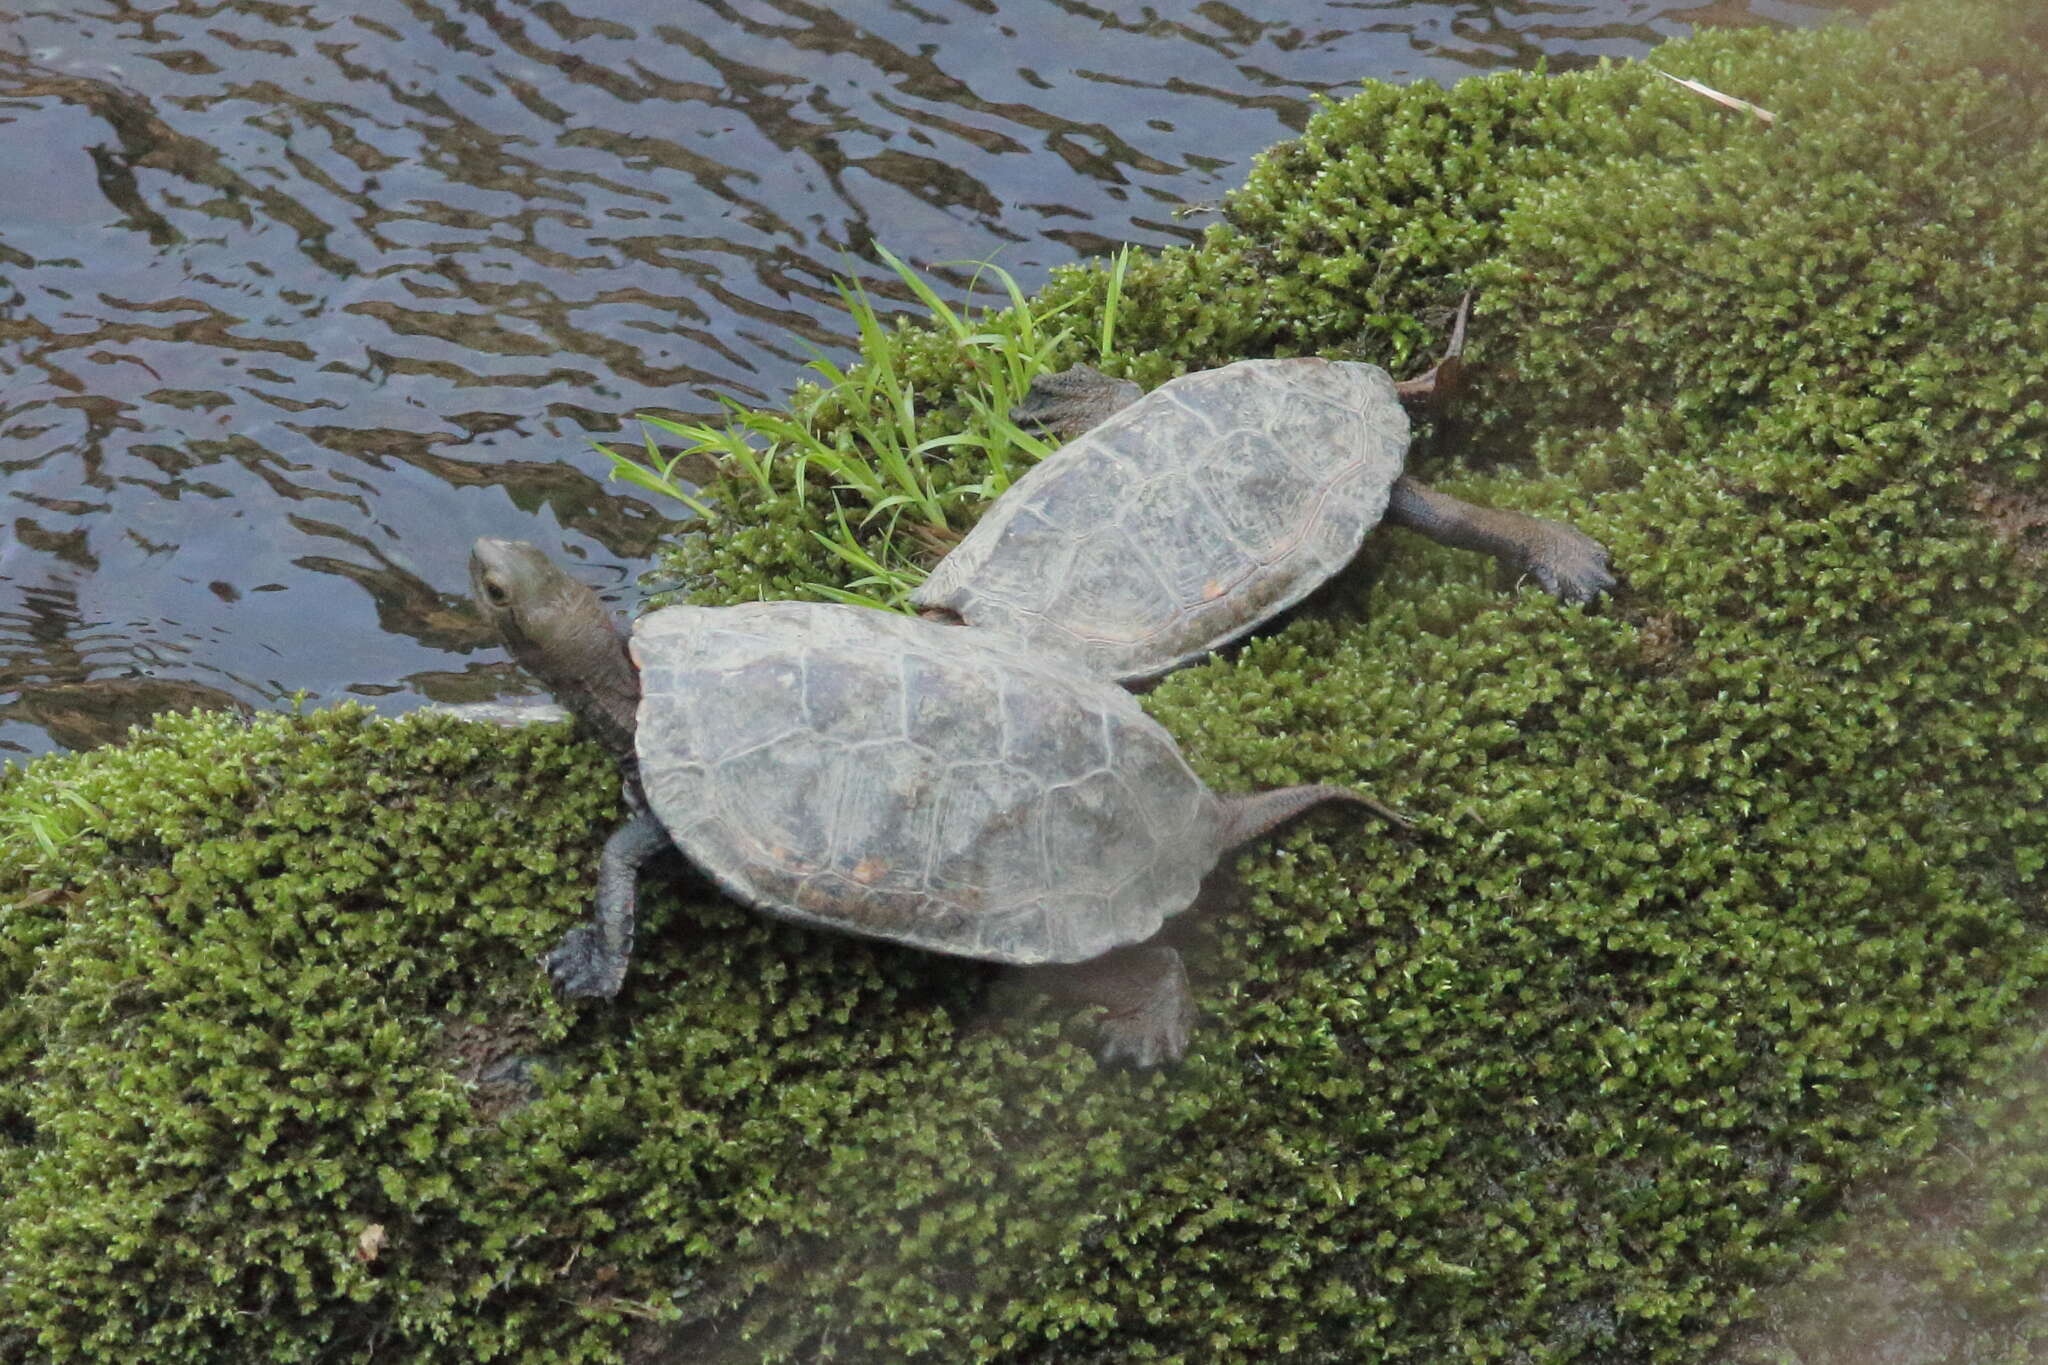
(297, 301)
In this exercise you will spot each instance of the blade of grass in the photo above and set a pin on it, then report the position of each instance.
(654, 476)
(926, 295)
(726, 445)
(55, 823)
(1117, 271)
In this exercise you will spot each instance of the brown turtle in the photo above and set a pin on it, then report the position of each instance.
(877, 774)
(1177, 520)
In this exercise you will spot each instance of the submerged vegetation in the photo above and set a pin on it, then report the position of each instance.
(1731, 914)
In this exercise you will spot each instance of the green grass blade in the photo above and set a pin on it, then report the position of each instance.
(1117, 272)
(926, 295)
(654, 476)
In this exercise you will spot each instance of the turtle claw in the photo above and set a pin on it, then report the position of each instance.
(581, 965)
(1155, 1030)
(1570, 565)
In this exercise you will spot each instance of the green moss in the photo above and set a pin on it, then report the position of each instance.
(1729, 910)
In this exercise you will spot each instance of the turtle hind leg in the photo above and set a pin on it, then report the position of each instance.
(1149, 1010)
(1571, 565)
(591, 959)
(1070, 402)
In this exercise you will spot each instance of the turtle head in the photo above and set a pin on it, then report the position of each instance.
(560, 632)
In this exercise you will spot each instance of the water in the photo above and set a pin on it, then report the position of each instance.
(296, 301)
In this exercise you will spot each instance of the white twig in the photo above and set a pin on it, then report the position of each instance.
(1764, 116)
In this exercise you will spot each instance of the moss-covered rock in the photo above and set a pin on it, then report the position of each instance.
(1731, 911)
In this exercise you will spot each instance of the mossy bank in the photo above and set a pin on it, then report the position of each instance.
(1732, 910)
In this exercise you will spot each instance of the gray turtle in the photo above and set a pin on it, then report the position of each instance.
(887, 776)
(1180, 519)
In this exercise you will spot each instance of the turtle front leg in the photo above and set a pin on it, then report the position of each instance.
(591, 959)
(1570, 564)
(1151, 1012)
(1070, 402)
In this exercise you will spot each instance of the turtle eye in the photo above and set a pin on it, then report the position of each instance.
(499, 597)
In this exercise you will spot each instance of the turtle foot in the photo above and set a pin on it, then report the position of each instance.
(581, 965)
(1571, 565)
(1152, 1016)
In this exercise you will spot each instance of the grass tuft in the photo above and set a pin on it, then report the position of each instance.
(898, 474)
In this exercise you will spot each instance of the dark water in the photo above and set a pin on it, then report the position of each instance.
(298, 299)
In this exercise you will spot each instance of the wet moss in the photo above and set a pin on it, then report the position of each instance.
(1729, 916)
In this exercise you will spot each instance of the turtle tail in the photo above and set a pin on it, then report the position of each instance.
(1247, 817)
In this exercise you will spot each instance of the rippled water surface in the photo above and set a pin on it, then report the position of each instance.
(297, 299)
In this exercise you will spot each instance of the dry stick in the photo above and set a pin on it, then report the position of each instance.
(1764, 116)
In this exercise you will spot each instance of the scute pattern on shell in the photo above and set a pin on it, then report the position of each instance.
(1185, 519)
(887, 776)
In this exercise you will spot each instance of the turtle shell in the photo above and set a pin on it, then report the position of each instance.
(882, 775)
(1205, 507)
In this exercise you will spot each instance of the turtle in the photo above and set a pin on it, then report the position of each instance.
(1174, 521)
(879, 774)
